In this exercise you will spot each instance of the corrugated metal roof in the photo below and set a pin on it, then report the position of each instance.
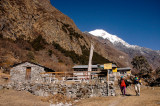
(87, 71)
(84, 66)
(123, 69)
(93, 66)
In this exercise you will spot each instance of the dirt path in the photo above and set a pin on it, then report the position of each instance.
(116, 102)
(148, 97)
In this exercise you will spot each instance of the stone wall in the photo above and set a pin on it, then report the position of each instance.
(75, 91)
(18, 73)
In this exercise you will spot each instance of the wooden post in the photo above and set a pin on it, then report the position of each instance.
(56, 75)
(108, 82)
(65, 76)
(50, 78)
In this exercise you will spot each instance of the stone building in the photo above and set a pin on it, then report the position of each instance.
(98, 70)
(28, 71)
(81, 70)
(124, 71)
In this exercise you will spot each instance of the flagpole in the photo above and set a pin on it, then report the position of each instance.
(90, 59)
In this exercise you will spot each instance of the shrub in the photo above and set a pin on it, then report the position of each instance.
(30, 56)
(50, 52)
(38, 43)
(1, 36)
(64, 29)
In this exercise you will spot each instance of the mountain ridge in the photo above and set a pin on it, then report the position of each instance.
(112, 38)
(132, 50)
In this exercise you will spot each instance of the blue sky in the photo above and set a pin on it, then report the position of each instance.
(135, 21)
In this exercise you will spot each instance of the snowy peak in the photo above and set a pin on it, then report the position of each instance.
(112, 38)
(105, 35)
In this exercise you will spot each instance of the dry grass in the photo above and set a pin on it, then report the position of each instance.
(19, 98)
(58, 98)
(149, 97)
(13, 52)
(4, 78)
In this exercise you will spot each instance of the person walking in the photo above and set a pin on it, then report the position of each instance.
(123, 85)
(137, 83)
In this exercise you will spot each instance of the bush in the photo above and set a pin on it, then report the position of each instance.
(50, 52)
(1, 36)
(64, 29)
(30, 56)
(38, 43)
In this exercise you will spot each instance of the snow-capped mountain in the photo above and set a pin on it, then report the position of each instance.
(158, 51)
(112, 38)
(132, 50)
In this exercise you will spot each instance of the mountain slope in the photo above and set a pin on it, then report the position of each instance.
(34, 30)
(27, 19)
(132, 50)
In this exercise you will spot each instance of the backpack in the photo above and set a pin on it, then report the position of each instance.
(136, 80)
(123, 83)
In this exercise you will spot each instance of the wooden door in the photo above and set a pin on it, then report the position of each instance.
(28, 73)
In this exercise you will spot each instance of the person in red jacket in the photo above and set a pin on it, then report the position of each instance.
(123, 85)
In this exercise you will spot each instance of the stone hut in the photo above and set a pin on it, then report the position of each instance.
(28, 71)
